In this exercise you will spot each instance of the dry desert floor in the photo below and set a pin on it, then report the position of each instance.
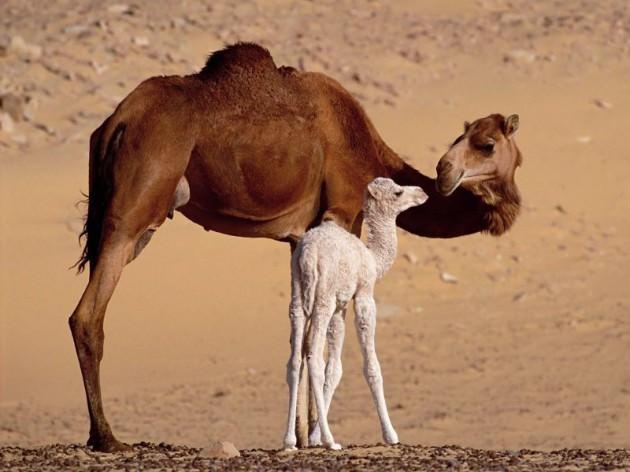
(510, 343)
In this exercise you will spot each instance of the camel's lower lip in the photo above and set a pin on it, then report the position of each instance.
(448, 191)
(462, 178)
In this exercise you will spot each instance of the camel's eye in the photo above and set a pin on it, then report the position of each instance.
(487, 148)
(398, 193)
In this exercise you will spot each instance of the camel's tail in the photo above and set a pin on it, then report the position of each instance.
(309, 276)
(104, 143)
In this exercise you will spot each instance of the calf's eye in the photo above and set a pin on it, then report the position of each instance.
(398, 193)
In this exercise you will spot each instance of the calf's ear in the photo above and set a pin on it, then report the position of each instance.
(511, 125)
(374, 189)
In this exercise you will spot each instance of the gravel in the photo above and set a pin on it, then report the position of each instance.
(375, 457)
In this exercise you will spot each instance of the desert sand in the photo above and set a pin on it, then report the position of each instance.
(514, 342)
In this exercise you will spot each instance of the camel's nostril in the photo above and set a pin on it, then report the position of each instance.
(444, 166)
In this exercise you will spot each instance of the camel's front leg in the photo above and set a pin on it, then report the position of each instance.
(334, 371)
(365, 319)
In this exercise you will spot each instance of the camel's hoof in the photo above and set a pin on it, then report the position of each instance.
(290, 448)
(108, 445)
(334, 447)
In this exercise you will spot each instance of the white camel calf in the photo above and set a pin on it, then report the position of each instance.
(329, 268)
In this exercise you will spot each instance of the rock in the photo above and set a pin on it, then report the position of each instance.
(13, 105)
(98, 67)
(19, 139)
(76, 30)
(220, 450)
(45, 128)
(519, 296)
(141, 41)
(602, 104)
(6, 122)
(411, 258)
(448, 278)
(24, 50)
(119, 9)
(177, 23)
(520, 56)
(584, 139)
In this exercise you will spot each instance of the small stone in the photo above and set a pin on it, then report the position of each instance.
(603, 104)
(220, 393)
(220, 450)
(81, 454)
(519, 296)
(6, 123)
(584, 139)
(356, 77)
(45, 128)
(98, 67)
(141, 41)
(411, 258)
(24, 50)
(520, 56)
(177, 23)
(119, 9)
(19, 139)
(13, 105)
(76, 30)
(448, 278)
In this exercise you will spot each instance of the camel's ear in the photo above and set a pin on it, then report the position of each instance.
(466, 126)
(374, 189)
(511, 125)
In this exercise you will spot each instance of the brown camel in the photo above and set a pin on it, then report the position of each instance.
(250, 149)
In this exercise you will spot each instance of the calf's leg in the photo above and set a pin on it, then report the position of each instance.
(365, 321)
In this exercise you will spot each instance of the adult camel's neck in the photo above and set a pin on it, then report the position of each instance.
(381, 240)
(439, 217)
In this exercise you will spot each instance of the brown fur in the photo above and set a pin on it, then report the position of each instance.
(265, 152)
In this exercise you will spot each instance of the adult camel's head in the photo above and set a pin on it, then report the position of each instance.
(483, 160)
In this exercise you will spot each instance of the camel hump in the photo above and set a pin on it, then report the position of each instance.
(239, 57)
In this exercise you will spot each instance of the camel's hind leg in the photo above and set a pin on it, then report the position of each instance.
(143, 194)
(120, 246)
(86, 324)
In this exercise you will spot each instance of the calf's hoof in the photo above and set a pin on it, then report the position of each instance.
(289, 443)
(315, 439)
(391, 438)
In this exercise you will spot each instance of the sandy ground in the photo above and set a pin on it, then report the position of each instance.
(528, 349)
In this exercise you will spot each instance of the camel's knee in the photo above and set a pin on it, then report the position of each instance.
(294, 365)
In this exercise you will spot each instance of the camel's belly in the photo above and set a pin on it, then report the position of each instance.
(288, 226)
(256, 174)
